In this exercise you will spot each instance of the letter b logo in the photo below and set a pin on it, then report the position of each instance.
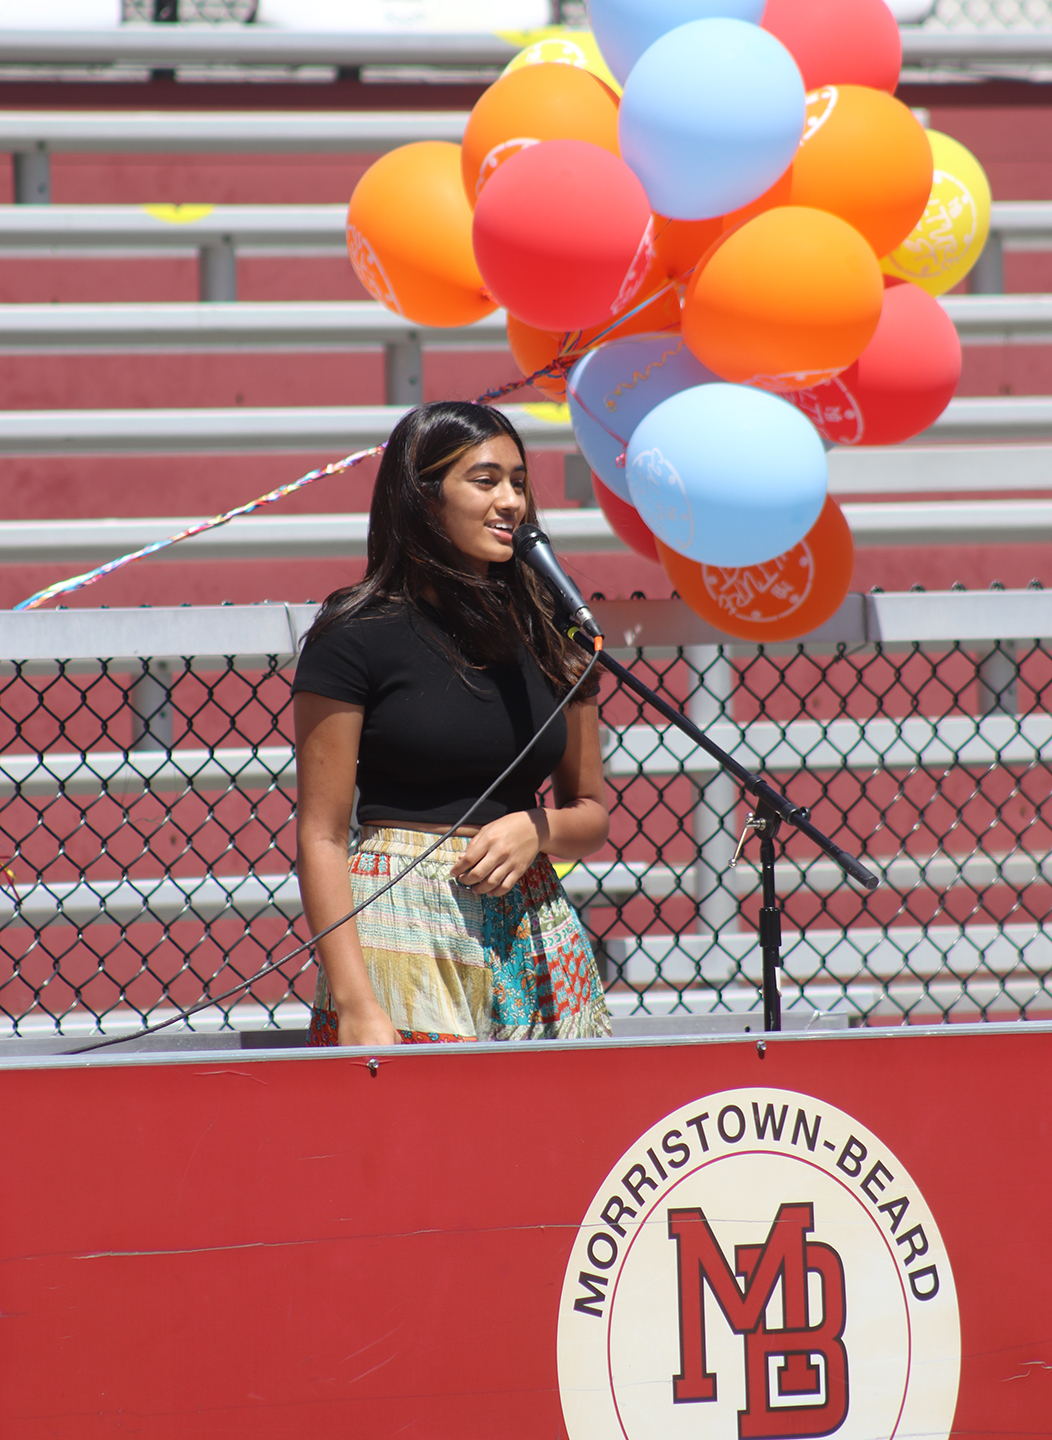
(788, 1395)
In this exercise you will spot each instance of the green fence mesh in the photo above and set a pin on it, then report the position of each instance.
(147, 830)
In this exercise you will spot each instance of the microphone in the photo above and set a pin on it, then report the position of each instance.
(534, 549)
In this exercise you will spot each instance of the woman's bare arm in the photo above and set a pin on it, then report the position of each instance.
(575, 826)
(328, 733)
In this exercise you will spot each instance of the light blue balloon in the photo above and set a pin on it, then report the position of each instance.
(612, 387)
(711, 116)
(623, 29)
(727, 475)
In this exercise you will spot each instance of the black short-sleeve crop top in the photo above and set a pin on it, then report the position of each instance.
(433, 739)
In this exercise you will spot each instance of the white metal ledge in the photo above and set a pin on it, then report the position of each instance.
(164, 45)
(164, 901)
(239, 325)
(232, 44)
(271, 227)
(339, 429)
(210, 898)
(822, 956)
(937, 744)
(333, 325)
(333, 430)
(252, 132)
(121, 775)
(341, 535)
(282, 228)
(245, 635)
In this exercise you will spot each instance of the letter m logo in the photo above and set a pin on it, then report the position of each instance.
(788, 1395)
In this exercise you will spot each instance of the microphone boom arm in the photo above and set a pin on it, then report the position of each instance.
(772, 809)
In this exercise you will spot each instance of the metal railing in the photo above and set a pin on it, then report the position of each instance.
(34, 225)
(331, 324)
(80, 543)
(170, 46)
(167, 46)
(251, 132)
(342, 428)
(31, 137)
(242, 325)
(147, 802)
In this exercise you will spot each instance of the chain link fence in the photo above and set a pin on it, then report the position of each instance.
(147, 829)
(945, 14)
(990, 15)
(190, 12)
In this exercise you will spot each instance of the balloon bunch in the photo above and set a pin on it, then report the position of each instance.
(719, 236)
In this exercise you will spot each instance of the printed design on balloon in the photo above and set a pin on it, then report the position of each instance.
(369, 270)
(497, 156)
(770, 591)
(792, 380)
(933, 247)
(637, 270)
(825, 98)
(554, 52)
(832, 410)
(661, 497)
(638, 376)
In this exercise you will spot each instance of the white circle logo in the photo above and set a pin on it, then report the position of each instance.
(758, 1266)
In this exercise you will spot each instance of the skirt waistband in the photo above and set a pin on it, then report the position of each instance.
(387, 840)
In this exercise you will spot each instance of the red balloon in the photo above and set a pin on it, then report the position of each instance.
(839, 42)
(562, 235)
(902, 381)
(625, 521)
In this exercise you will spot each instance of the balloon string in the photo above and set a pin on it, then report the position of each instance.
(593, 416)
(335, 467)
(636, 309)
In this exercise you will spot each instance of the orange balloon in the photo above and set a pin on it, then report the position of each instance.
(791, 293)
(538, 102)
(865, 158)
(409, 235)
(779, 600)
(680, 244)
(534, 349)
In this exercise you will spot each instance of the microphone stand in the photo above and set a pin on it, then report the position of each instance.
(772, 809)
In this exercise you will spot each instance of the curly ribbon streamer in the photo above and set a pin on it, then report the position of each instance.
(78, 582)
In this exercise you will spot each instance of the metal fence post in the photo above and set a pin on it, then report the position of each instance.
(714, 813)
(151, 705)
(32, 176)
(404, 371)
(217, 271)
(988, 275)
(998, 674)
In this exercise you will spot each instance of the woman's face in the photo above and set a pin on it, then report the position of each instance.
(483, 500)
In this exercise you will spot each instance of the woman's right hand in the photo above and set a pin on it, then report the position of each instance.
(372, 1027)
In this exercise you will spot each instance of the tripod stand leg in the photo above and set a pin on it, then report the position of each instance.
(770, 928)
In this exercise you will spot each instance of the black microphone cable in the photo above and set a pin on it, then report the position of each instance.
(309, 944)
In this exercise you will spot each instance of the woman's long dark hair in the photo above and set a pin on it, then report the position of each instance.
(491, 616)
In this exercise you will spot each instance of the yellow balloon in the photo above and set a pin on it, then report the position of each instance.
(559, 45)
(951, 233)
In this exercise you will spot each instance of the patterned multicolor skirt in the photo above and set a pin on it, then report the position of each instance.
(449, 965)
